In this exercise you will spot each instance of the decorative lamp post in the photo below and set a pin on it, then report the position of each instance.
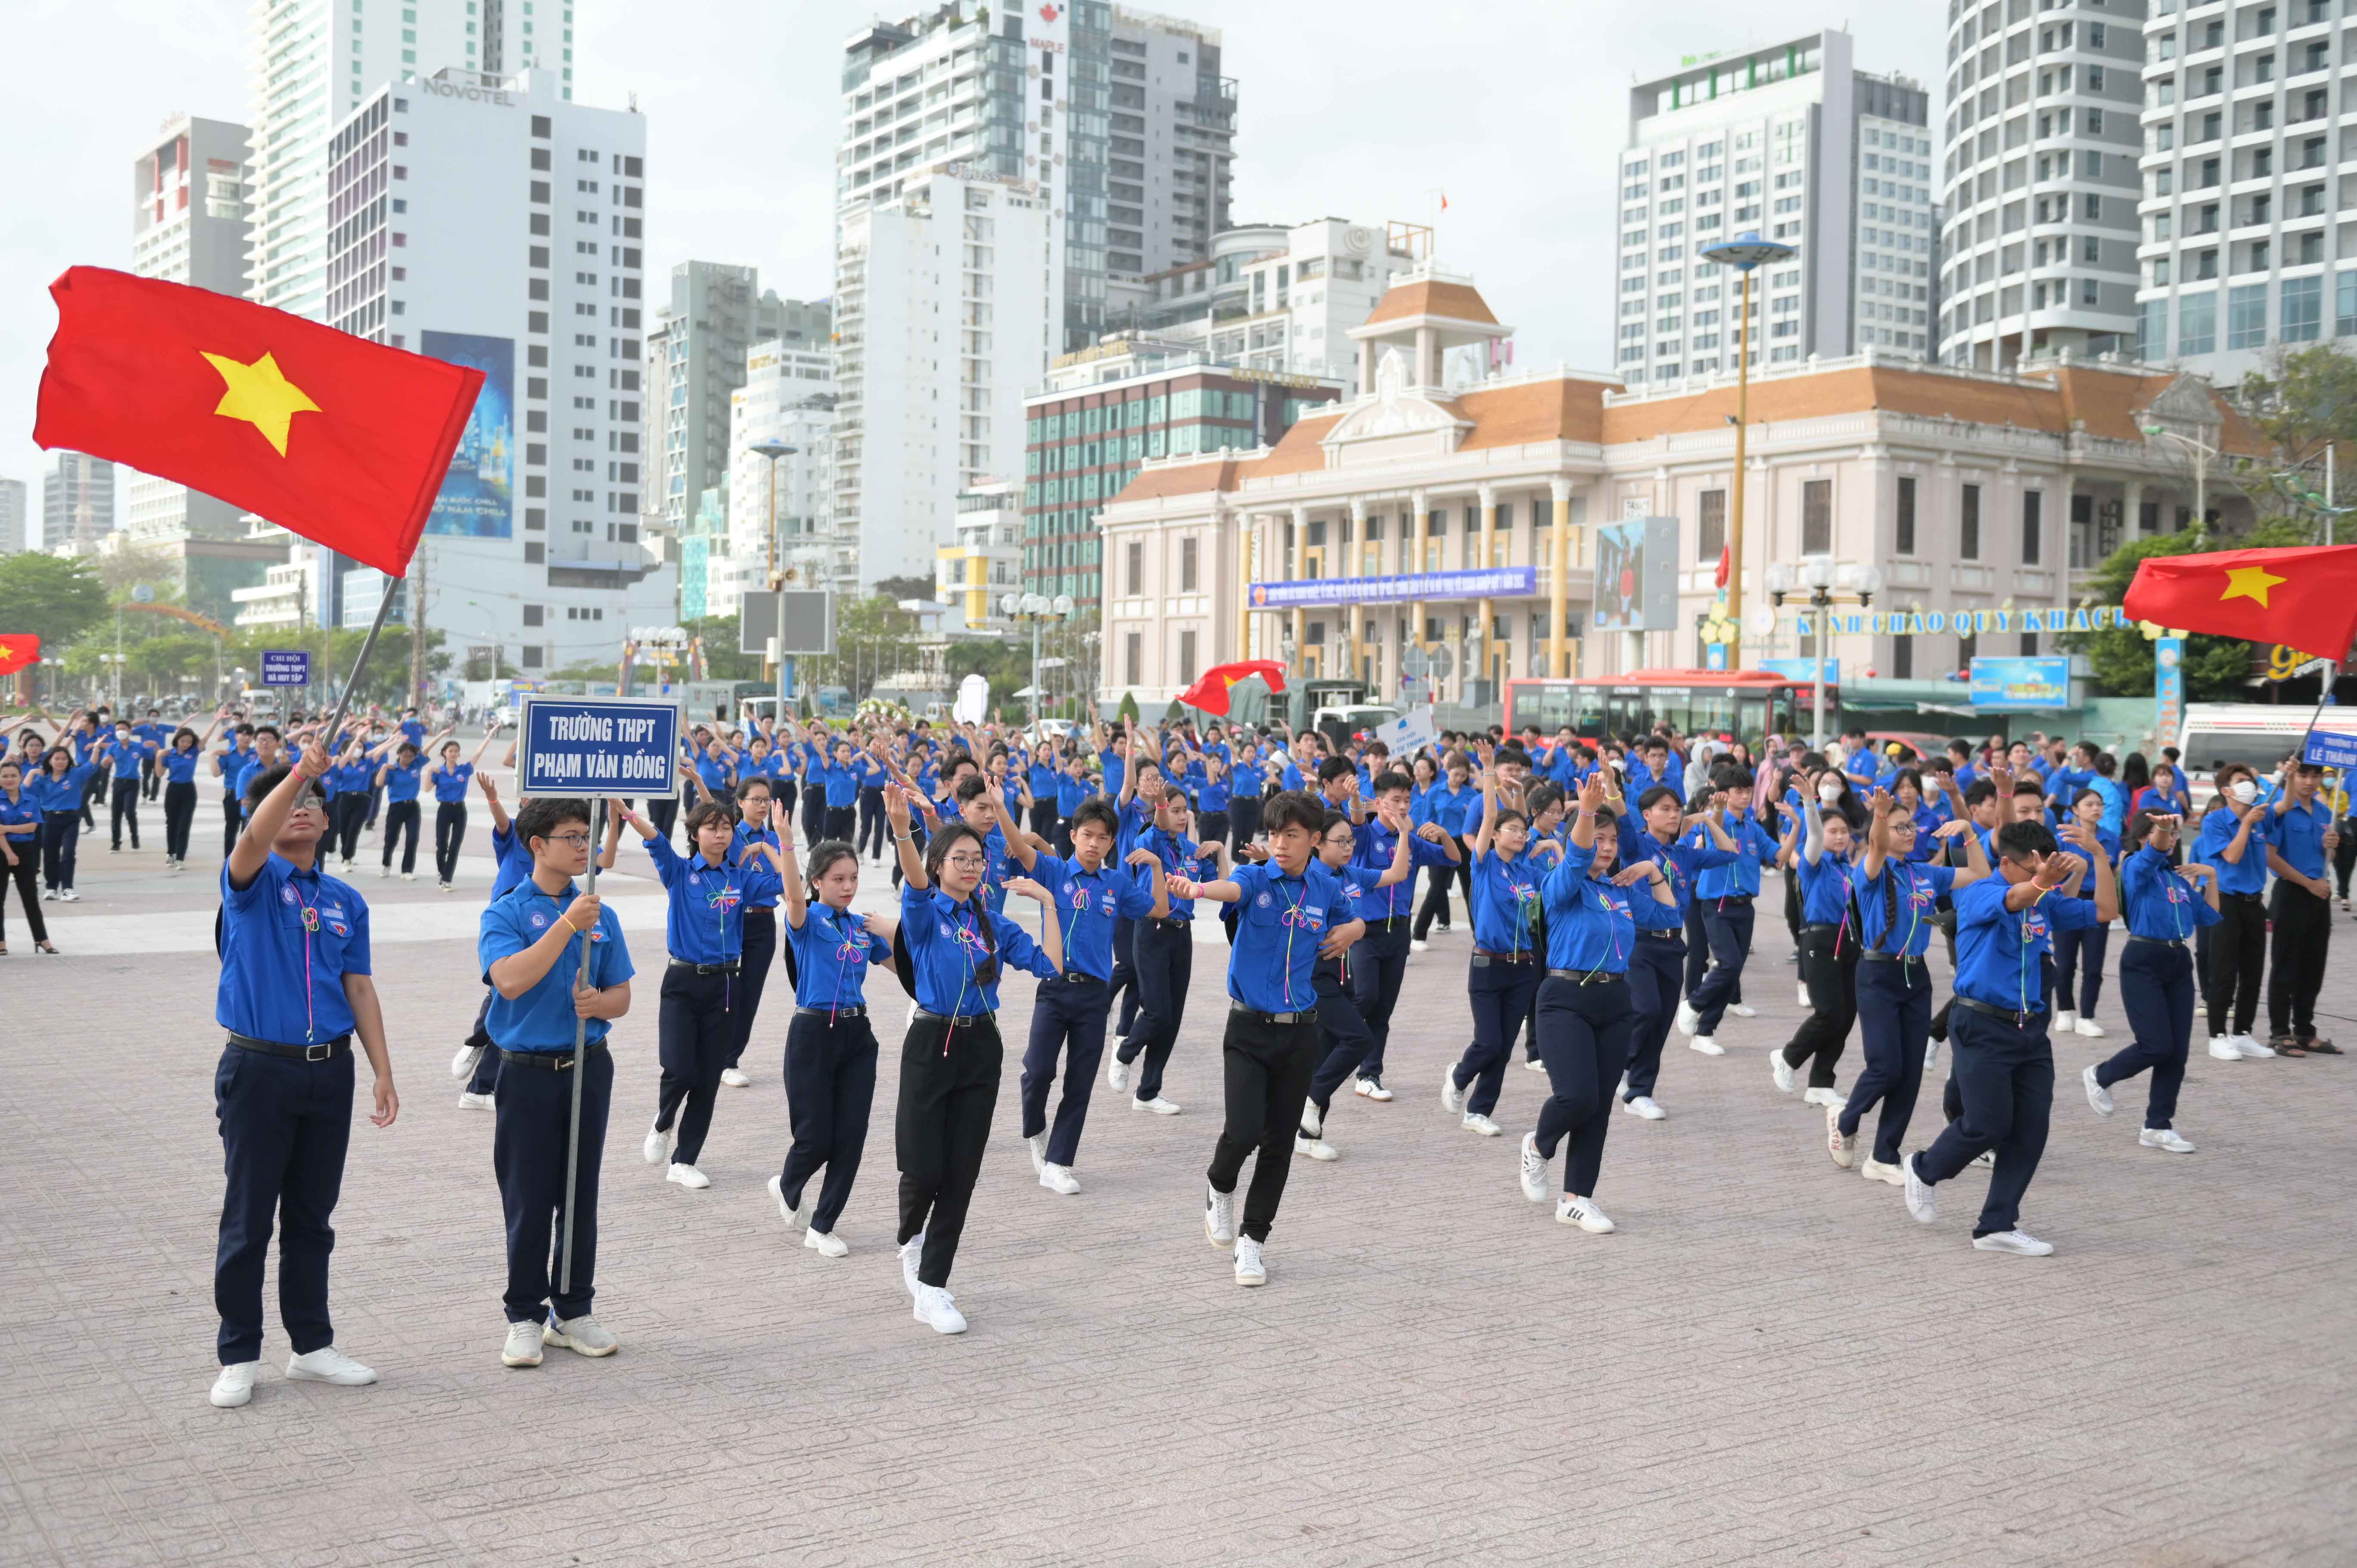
(1746, 253)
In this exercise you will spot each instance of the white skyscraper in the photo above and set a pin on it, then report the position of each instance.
(316, 60)
(788, 397)
(1792, 141)
(15, 523)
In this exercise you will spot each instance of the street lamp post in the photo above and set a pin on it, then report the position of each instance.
(774, 449)
(1821, 580)
(2202, 452)
(1746, 253)
(1038, 610)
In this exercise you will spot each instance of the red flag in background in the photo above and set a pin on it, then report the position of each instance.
(1210, 693)
(2305, 597)
(19, 652)
(1725, 561)
(344, 441)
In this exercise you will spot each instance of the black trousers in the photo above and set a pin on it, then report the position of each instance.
(1043, 817)
(179, 816)
(841, 821)
(2157, 990)
(285, 1127)
(2303, 937)
(2344, 857)
(1267, 1067)
(449, 833)
(696, 1031)
(90, 791)
(151, 777)
(1436, 898)
(126, 808)
(349, 811)
(1125, 973)
(1697, 948)
(2079, 955)
(1894, 1020)
(25, 875)
(663, 812)
(233, 824)
(1584, 1033)
(949, 1083)
(400, 822)
(813, 814)
(1378, 962)
(830, 1093)
(1343, 1040)
(532, 1123)
(761, 951)
(1068, 1023)
(1243, 819)
(2004, 1077)
(1166, 965)
(486, 1076)
(1502, 995)
(1829, 968)
(1656, 968)
(2238, 958)
(1211, 827)
(872, 828)
(60, 841)
(1727, 922)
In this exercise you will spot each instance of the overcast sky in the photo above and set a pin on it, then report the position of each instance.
(1361, 111)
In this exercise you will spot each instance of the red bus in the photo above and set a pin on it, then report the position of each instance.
(1747, 704)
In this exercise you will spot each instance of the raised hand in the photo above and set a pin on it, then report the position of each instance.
(1141, 856)
(1024, 887)
(1881, 804)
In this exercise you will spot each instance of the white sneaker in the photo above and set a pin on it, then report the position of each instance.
(796, 1216)
(937, 1310)
(1873, 1169)
(583, 1335)
(657, 1149)
(1583, 1212)
(912, 1253)
(1476, 1122)
(1535, 1064)
(1985, 1159)
(1781, 1070)
(1707, 1045)
(2244, 1046)
(382, 872)
(1037, 1143)
(409, 877)
(1417, 944)
(1113, 1046)
(825, 1243)
(235, 1385)
(1116, 1073)
(2164, 1138)
(1832, 1098)
(1743, 1010)
(1250, 1268)
(687, 1176)
(735, 1079)
(2065, 1020)
(1932, 1059)
(463, 1065)
(328, 1365)
(2223, 1047)
(1844, 1150)
(1800, 995)
(1315, 1148)
(68, 895)
(1643, 1107)
(1920, 1201)
(2089, 1028)
(2097, 1095)
(2021, 1243)
(1688, 1019)
(522, 1348)
(1058, 1179)
(1312, 1122)
(1158, 1105)
(470, 1100)
(48, 895)
(1452, 1096)
(1218, 1216)
(1372, 1088)
(1534, 1169)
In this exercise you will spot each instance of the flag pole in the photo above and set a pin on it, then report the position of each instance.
(352, 684)
(580, 1049)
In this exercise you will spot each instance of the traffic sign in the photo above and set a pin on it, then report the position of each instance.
(286, 667)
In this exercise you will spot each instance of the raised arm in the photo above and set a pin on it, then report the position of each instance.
(499, 812)
(912, 865)
(253, 849)
(1877, 837)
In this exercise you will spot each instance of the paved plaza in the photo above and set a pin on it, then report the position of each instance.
(1769, 1364)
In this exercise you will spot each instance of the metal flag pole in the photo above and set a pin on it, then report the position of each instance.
(353, 683)
(580, 1049)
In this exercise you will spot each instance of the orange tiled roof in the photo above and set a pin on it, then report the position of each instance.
(1457, 301)
(1559, 409)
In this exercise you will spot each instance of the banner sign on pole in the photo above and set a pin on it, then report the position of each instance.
(1409, 731)
(1496, 582)
(2168, 689)
(610, 746)
(286, 667)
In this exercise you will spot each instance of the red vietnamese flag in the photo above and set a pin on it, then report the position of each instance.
(17, 652)
(2305, 597)
(344, 441)
(1210, 693)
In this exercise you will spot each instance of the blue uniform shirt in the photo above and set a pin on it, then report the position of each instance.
(842, 785)
(450, 782)
(1280, 921)
(1590, 924)
(1372, 847)
(745, 836)
(1505, 902)
(232, 761)
(1249, 778)
(180, 766)
(1180, 856)
(510, 859)
(713, 770)
(288, 938)
(1740, 876)
(831, 952)
(1998, 950)
(1683, 860)
(1086, 904)
(1454, 809)
(949, 948)
(2298, 835)
(541, 1018)
(26, 808)
(1212, 795)
(1041, 769)
(401, 780)
(706, 922)
(61, 791)
(2159, 903)
(127, 756)
(1825, 888)
(2248, 874)
(1069, 793)
(1917, 889)
(1115, 770)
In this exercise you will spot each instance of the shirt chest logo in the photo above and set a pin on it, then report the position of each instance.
(539, 921)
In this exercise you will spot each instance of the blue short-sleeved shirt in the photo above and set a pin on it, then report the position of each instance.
(1825, 888)
(180, 766)
(24, 808)
(705, 922)
(511, 859)
(2248, 874)
(1591, 925)
(127, 756)
(2298, 835)
(831, 952)
(288, 938)
(1086, 904)
(1069, 793)
(61, 791)
(1280, 921)
(1998, 950)
(950, 947)
(1505, 902)
(1683, 860)
(1373, 846)
(232, 761)
(542, 1019)
(2158, 902)
(401, 779)
(450, 782)
(1740, 876)
(746, 837)
(1180, 856)
(1895, 905)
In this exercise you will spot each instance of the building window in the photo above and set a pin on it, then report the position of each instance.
(1967, 649)
(1187, 658)
(2030, 644)
(1186, 572)
(2032, 503)
(2197, 322)
(1816, 516)
(2303, 306)
(1133, 654)
(1711, 537)
(1906, 540)
(1136, 571)
(1968, 525)
(1903, 659)
(2246, 316)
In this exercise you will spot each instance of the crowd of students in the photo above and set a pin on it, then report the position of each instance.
(1609, 892)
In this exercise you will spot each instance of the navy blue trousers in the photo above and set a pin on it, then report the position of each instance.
(1894, 1026)
(2156, 989)
(1068, 1017)
(1728, 923)
(1584, 1033)
(830, 1092)
(1123, 983)
(1165, 959)
(2079, 967)
(694, 1033)
(1656, 969)
(285, 1125)
(1378, 965)
(1502, 995)
(761, 952)
(1343, 1037)
(2004, 1078)
(534, 1120)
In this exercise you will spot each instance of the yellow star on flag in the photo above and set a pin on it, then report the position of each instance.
(261, 394)
(2249, 583)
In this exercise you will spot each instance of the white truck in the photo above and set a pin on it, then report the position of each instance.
(2258, 734)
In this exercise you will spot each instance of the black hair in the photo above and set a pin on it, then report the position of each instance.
(1654, 794)
(2083, 794)
(1960, 748)
(1541, 797)
(937, 850)
(2105, 764)
(1292, 808)
(541, 816)
(1098, 810)
(1731, 777)
(258, 788)
(1979, 790)
(270, 730)
(193, 736)
(1392, 778)
(1907, 775)
(1512, 751)
(2016, 840)
(823, 857)
(2028, 786)
(2139, 825)
(2135, 772)
(1333, 821)
(972, 786)
(1335, 768)
(758, 782)
(708, 812)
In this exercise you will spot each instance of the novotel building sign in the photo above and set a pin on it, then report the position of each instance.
(439, 88)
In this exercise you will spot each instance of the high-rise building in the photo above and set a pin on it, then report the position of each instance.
(317, 60)
(14, 522)
(1795, 142)
(77, 503)
(2040, 181)
(787, 398)
(2245, 244)
(491, 221)
(986, 562)
(1121, 118)
(1272, 296)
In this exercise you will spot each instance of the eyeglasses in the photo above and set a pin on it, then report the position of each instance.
(966, 861)
(570, 841)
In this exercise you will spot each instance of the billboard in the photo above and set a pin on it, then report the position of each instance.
(1495, 583)
(477, 499)
(1637, 574)
(2030, 683)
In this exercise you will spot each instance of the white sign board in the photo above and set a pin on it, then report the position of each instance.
(1412, 730)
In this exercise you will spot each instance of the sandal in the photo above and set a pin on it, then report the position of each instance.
(2321, 1046)
(48, 948)
(2288, 1046)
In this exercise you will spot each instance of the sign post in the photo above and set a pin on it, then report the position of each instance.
(606, 749)
(2168, 689)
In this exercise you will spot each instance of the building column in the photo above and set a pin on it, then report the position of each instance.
(1301, 617)
(1487, 608)
(1427, 358)
(1354, 616)
(1221, 520)
(1559, 580)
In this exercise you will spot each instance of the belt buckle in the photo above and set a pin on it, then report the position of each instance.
(317, 1053)
(563, 1062)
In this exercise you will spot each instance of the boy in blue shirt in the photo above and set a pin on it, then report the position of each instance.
(125, 756)
(531, 946)
(1283, 923)
(2301, 838)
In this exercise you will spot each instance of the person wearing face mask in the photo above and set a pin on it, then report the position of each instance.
(2233, 840)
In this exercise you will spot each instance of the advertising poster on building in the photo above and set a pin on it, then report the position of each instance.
(2039, 682)
(477, 499)
(1637, 574)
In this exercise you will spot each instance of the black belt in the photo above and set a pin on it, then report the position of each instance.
(1822, 925)
(860, 1012)
(1662, 936)
(2018, 1018)
(1255, 1013)
(1586, 977)
(321, 1052)
(1523, 956)
(548, 1061)
(1870, 956)
(963, 1020)
(1078, 977)
(753, 909)
(1170, 924)
(2253, 898)
(1729, 898)
(2157, 941)
(731, 967)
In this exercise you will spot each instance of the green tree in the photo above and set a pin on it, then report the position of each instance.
(1127, 712)
(2311, 399)
(723, 659)
(55, 600)
(2216, 668)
